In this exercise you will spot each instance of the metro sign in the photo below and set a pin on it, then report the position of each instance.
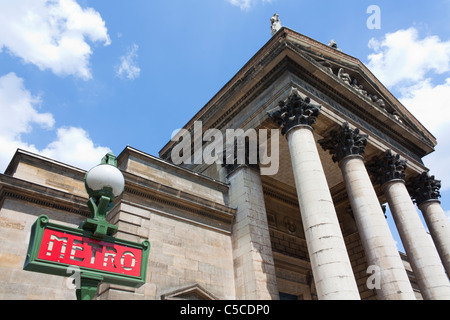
(65, 248)
(53, 249)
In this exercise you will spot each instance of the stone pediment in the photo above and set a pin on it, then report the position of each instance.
(355, 77)
(193, 292)
(339, 82)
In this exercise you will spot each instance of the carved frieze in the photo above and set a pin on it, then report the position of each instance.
(289, 224)
(424, 188)
(352, 82)
(388, 167)
(295, 111)
(344, 142)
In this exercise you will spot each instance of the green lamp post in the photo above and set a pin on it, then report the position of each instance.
(103, 183)
(91, 248)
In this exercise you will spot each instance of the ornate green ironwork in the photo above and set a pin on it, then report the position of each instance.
(100, 203)
(91, 235)
(34, 263)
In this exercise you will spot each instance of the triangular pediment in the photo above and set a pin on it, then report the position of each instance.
(328, 76)
(353, 76)
(193, 292)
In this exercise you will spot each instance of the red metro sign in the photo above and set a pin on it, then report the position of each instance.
(54, 249)
(85, 252)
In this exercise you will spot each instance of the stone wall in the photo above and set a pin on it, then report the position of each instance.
(182, 254)
(16, 219)
(188, 227)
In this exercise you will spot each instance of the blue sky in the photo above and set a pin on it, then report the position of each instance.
(79, 78)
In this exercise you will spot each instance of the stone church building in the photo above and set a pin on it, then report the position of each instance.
(312, 228)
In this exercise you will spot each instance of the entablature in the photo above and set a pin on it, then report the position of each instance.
(326, 75)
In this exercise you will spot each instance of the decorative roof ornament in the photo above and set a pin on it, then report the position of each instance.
(275, 24)
(333, 45)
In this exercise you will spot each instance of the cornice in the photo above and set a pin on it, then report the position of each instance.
(279, 191)
(166, 166)
(247, 72)
(21, 154)
(36, 194)
(283, 53)
(180, 204)
(219, 115)
(187, 207)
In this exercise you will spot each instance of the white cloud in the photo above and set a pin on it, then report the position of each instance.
(18, 108)
(128, 67)
(51, 34)
(246, 4)
(405, 63)
(429, 104)
(74, 146)
(438, 161)
(402, 58)
(19, 113)
(9, 147)
(243, 4)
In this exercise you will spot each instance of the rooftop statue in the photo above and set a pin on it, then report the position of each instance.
(333, 45)
(275, 24)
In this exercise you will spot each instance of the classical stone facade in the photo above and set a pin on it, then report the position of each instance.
(313, 229)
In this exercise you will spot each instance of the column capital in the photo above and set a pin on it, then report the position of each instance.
(387, 168)
(344, 142)
(295, 111)
(424, 188)
(240, 157)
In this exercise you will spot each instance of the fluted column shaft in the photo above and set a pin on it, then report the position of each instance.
(330, 263)
(439, 227)
(422, 254)
(331, 268)
(347, 146)
(425, 191)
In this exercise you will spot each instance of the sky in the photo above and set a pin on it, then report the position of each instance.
(80, 78)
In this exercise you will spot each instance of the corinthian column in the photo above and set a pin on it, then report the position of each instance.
(425, 192)
(347, 147)
(331, 268)
(421, 252)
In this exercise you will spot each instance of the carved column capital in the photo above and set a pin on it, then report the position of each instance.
(387, 167)
(295, 111)
(240, 156)
(344, 142)
(424, 187)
